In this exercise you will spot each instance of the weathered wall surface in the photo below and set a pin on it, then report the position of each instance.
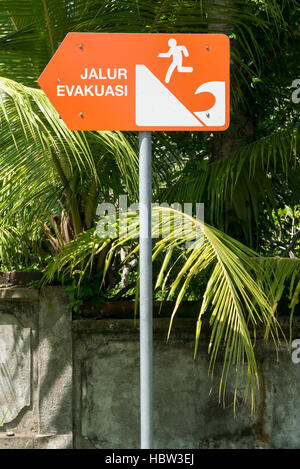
(75, 384)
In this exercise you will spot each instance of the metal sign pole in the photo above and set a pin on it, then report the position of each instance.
(146, 332)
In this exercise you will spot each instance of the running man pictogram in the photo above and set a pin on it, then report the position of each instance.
(176, 52)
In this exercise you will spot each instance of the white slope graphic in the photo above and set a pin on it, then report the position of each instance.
(215, 116)
(156, 106)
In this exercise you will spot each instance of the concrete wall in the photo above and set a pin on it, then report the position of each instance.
(76, 384)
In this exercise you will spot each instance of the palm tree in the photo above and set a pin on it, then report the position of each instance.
(52, 179)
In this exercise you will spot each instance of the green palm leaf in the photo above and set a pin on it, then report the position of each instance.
(31, 31)
(46, 168)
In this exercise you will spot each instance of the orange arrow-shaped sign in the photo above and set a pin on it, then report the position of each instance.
(99, 81)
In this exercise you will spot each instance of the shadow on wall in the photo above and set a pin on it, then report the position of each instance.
(61, 379)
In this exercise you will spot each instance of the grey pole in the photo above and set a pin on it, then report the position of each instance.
(146, 334)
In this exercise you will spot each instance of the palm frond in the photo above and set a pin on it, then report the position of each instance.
(39, 154)
(242, 180)
(31, 31)
(123, 150)
(280, 275)
(41, 159)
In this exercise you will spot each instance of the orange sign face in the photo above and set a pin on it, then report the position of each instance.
(100, 81)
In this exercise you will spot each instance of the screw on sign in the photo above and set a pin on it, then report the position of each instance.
(144, 82)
